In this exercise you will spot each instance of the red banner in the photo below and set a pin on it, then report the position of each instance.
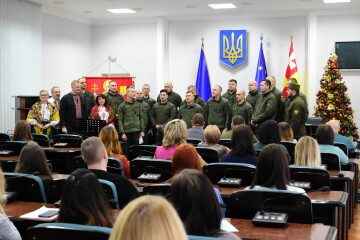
(97, 85)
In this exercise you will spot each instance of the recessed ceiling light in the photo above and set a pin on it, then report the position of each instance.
(247, 3)
(222, 6)
(190, 6)
(336, 1)
(306, 1)
(121, 10)
(59, 2)
(88, 11)
(138, 9)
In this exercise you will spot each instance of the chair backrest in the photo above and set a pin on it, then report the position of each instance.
(14, 146)
(319, 178)
(157, 189)
(73, 140)
(54, 189)
(290, 147)
(111, 192)
(209, 155)
(331, 161)
(60, 231)
(244, 204)
(216, 171)
(138, 167)
(343, 147)
(27, 186)
(225, 142)
(8, 165)
(4, 137)
(78, 162)
(141, 150)
(41, 139)
(115, 166)
(193, 141)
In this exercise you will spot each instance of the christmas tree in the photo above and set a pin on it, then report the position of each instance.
(333, 102)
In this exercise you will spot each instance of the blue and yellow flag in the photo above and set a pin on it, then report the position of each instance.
(203, 86)
(261, 72)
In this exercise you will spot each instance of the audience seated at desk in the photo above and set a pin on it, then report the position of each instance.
(84, 201)
(194, 199)
(325, 138)
(286, 133)
(272, 170)
(102, 111)
(212, 137)
(7, 229)
(307, 152)
(96, 158)
(242, 147)
(197, 130)
(22, 131)
(338, 138)
(148, 217)
(110, 138)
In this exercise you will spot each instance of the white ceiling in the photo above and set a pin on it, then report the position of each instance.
(95, 10)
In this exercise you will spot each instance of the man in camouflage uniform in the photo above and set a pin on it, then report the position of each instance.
(146, 115)
(89, 97)
(131, 120)
(189, 109)
(280, 112)
(113, 98)
(265, 108)
(217, 110)
(230, 94)
(254, 94)
(242, 107)
(301, 95)
(296, 111)
(173, 97)
(198, 99)
(146, 95)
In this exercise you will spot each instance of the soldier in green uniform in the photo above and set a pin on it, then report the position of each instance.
(254, 94)
(230, 94)
(146, 95)
(280, 112)
(89, 97)
(146, 115)
(265, 108)
(161, 113)
(131, 120)
(197, 99)
(217, 110)
(296, 111)
(189, 109)
(242, 107)
(301, 95)
(173, 97)
(114, 99)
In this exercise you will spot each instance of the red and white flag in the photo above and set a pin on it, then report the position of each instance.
(291, 70)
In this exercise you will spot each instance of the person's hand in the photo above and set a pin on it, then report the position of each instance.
(124, 137)
(225, 130)
(64, 130)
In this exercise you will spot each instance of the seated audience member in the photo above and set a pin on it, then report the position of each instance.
(32, 160)
(235, 121)
(148, 217)
(197, 130)
(95, 156)
(212, 137)
(43, 115)
(193, 196)
(325, 139)
(22, 131)
(242, 147)
(307, 152)
(84, 201)
(272, 170)
(286, 133)
(102, 111)
(269, 133)
(110, 138)
(338, 138)
(7, 229)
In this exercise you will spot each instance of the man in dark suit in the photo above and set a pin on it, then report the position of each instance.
(72, 110)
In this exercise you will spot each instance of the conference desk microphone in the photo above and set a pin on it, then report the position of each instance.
(151, 177)
(149, 155)
(229, 182)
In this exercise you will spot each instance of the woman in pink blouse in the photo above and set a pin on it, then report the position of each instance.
(102, 111)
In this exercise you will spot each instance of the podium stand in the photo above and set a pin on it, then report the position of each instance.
(92, 127)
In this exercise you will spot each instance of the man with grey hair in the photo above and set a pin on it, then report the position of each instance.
(338, 138)
(280, 110)
(242, 107)
(254, 94)
(55, 97)
(96, 158)
(146, 95)
(173, 97)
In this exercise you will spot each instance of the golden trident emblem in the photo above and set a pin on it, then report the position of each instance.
(232, 53)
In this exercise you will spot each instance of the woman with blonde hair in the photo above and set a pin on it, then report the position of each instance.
(148, 217)
(307, 152)
(286, 132)
(8, 230)
(212, 137)
(109, 136)
(22, 131)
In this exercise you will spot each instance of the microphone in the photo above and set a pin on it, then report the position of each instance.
(152, 177)
(230, 182)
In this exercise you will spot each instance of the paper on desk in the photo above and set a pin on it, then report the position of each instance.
(227, 226)
(35, 214)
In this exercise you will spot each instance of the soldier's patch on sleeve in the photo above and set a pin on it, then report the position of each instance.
(296, 112)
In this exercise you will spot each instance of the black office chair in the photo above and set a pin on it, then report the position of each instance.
(318, 178)
(41, 139)
(225, 142)
(244, 204)
(157, 189)
(28, 187)
(14, 146)
(54, 189)
(331, 161)
(193, 141)
(343, 147)
(290, 147)
(4, 137)
(61, 231)
(140, 166)
(115, 166)
(8, 165)
(72, 140)
(141, 150)
(216, 171)
(111, 193)
(209, 155)
(79, 162)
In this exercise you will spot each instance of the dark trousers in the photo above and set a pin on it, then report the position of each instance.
(132, 139)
